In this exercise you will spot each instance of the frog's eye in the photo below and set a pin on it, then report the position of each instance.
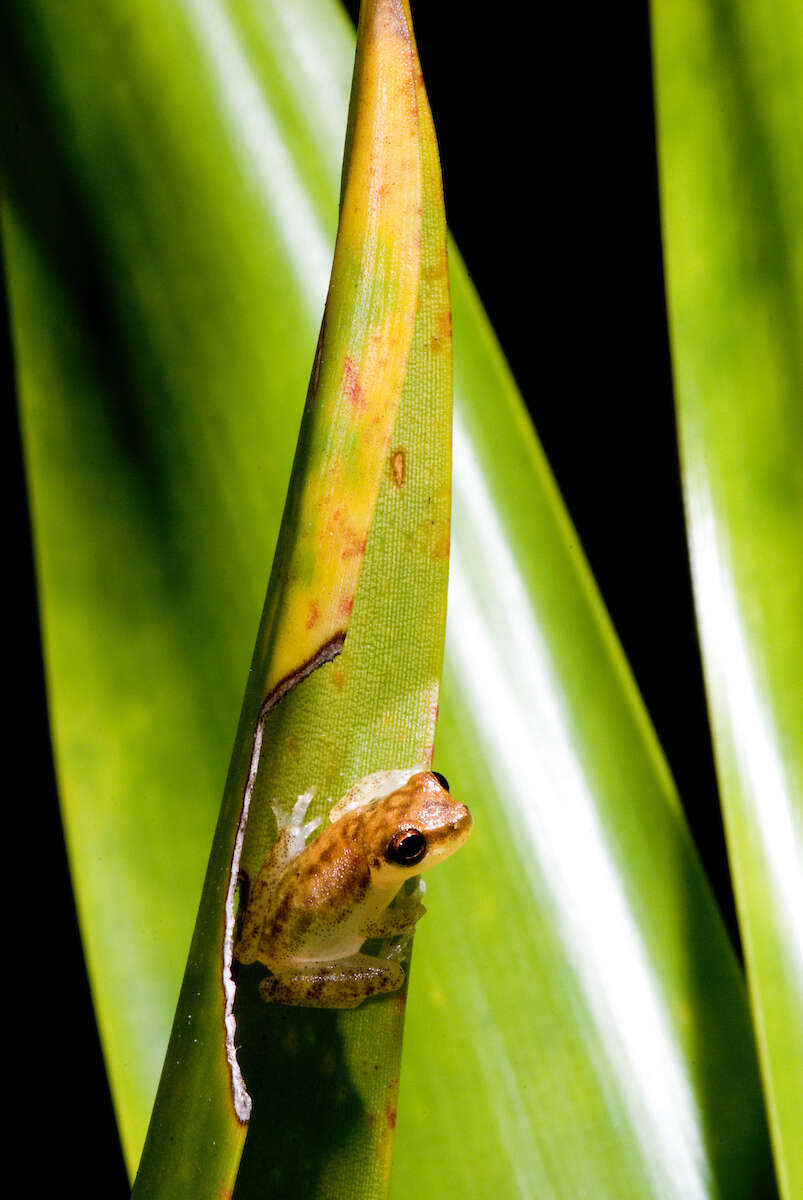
(406, 848)
(442, 780)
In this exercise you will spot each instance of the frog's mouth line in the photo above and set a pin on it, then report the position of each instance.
(328, 651)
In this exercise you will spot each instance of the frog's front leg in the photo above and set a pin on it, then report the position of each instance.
(342, 983)
(399, 918)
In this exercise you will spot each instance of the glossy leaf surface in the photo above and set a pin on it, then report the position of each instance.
(730, 92)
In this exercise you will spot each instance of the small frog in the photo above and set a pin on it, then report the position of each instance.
(312, 907)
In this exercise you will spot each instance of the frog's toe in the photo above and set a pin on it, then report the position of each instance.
(418, 892)
(401, 949)
(300, 807)
(310, 826)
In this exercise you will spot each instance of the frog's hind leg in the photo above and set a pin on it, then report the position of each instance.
(344, 983)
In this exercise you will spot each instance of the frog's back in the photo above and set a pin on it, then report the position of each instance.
(316, 898)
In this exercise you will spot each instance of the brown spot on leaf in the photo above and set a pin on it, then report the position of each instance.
(442, 332)
(431, 538)
(314, 615)
(345, 606)
(353, 545)
(438, 269)
(398, 467)
(440, 550)
(352, 388)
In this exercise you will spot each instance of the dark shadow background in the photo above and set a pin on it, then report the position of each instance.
(546, 131)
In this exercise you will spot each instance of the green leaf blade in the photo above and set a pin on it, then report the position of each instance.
(310, 725)
(730, 103)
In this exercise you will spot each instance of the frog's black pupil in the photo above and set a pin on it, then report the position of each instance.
(442, 780)
(407, 848)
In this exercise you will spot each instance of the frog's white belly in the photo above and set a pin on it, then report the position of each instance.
(339, 945)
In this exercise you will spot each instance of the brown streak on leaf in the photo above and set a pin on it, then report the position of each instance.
(442, 333)
(325, 654)
(440, 550)
(398, 467)
(352, 387)
(437, 270)
(354, 546)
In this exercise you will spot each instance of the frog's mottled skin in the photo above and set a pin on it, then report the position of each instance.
(312, 907)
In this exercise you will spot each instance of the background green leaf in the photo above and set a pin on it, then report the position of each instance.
(730, 91)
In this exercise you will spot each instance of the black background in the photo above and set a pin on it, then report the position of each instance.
(545, 121)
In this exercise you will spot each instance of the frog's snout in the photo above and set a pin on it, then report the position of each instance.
(464, 817)
(462, 822)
